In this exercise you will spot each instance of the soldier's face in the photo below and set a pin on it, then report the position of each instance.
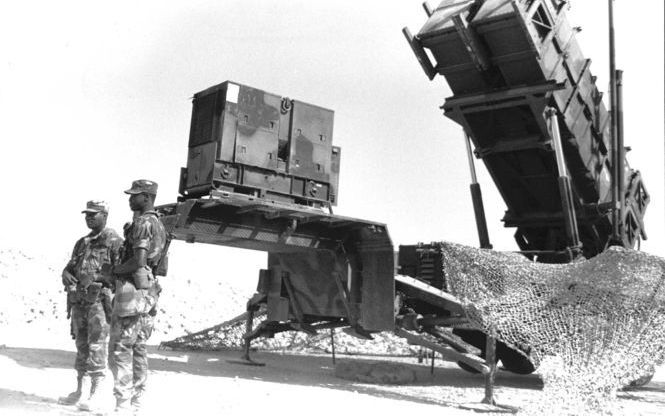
(137, 201)
(95, 220)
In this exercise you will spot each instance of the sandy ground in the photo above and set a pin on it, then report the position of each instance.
(206, 383)
(37, 355)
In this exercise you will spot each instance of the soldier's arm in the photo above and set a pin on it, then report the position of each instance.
(68, 278)
(137, 261)
(116, 251)
(141, 235)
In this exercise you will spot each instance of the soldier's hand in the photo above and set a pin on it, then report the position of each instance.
(107, 270)
(68, 279)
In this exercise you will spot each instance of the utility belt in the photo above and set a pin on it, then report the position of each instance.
(88, 295)
(85, 297)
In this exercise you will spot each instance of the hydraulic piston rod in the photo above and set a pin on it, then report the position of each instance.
(614, 123)
(477, 198)
(621, 155)
(565, 190)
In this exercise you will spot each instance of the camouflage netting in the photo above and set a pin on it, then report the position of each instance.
(593, 325)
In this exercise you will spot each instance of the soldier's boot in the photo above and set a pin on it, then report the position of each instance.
(137, 403)
(123, 408)
(94, 402)
(74, 397)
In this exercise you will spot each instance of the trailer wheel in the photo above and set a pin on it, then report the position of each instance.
(642, 381)
(513, 361)
(475, 338)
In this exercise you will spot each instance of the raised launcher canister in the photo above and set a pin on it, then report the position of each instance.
(506, 62)
(262, 174)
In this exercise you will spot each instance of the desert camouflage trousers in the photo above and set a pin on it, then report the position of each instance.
(90, 330)
(128, 357)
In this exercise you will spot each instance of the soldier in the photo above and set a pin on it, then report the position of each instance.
(137, 292)
(89, 303)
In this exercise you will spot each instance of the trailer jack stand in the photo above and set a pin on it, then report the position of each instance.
(490, 377)
(489, 404)
(245, 359)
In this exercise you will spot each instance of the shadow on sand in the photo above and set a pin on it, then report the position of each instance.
(40, 357)
(293, 369)
(20, 401)
(650, 393)
(304, 370)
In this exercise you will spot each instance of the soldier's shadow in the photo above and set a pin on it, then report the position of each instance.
(40, 357)
(12, 399)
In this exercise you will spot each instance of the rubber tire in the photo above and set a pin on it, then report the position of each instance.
(472, 337)
(511, 360)
(640, 382)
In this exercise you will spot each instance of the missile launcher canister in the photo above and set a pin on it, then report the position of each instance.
(506, 61)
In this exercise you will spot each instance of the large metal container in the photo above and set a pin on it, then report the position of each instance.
(249, 141)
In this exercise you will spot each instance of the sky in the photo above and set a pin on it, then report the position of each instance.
(95, 94)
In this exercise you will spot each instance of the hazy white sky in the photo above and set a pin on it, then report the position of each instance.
(95, 94)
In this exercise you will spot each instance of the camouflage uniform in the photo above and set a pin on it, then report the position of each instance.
(134, 310)
(91, 301)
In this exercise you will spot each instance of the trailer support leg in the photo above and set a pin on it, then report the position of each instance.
(490, 357)
(332, 343)
(431, 368)
(248, 330)
(248, 337)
